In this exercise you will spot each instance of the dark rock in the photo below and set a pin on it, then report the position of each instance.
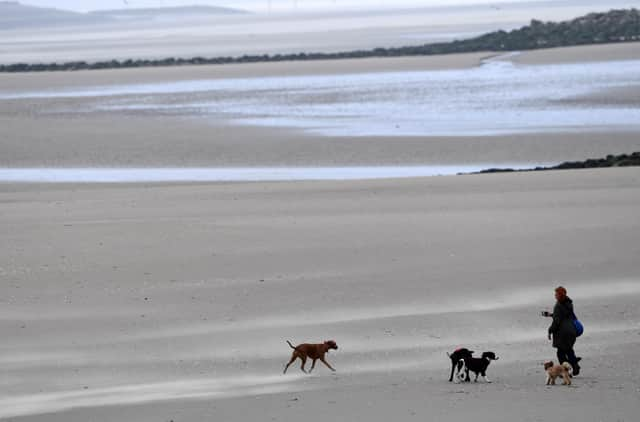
(622, 160)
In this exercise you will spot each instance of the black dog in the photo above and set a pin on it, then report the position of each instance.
(456, 357)
(479, 365)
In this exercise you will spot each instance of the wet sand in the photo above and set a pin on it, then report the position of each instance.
(173, 302)
(59, 132)
(580, 54)
(49, 80)
(161, 141)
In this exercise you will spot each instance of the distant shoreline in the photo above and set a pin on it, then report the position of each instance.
(615, 26)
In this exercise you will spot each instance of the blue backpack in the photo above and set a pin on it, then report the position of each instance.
(579, 327)
(577, 324)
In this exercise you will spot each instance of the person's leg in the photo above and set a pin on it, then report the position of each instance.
(562, 356)
(573, 360)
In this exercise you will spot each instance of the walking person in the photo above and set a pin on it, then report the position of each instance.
(562, 329)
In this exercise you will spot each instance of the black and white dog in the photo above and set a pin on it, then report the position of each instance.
(479, 365)
(457, 364)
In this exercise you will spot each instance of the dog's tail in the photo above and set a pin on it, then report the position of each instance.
(291, 345)
(448, 354)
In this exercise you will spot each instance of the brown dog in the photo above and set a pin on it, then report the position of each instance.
(311, 351)
(554, 371)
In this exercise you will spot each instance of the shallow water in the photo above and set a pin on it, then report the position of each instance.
(497, 97)
(221, 174)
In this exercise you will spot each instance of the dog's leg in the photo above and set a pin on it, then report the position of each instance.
(458, 377)
(313, 365)
(293, 358)
(455, 371)
(304, 361)
(328, 366)
(548, 379)
(455, 367)
(484, 377)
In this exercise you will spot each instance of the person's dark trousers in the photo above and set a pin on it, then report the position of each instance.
(569, 356)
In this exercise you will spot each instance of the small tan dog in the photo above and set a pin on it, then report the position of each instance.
(554, 371)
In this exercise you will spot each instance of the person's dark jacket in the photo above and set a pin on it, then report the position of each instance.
(562, 328)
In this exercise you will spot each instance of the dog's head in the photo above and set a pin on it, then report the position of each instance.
(548, 364)
(331, 345)
(489, 356)
(461, 353)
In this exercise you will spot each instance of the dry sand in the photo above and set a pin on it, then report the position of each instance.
(174, 302)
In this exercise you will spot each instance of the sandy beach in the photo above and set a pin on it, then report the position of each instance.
(173, 302)
(148, 142)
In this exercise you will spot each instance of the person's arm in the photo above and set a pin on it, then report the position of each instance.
(555, 324)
